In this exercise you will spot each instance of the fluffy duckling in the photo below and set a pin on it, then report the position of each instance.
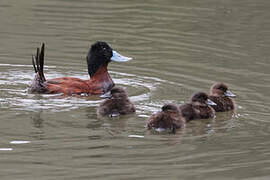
(198, 107)
(118, 103)
(220, 95)
(169, 118)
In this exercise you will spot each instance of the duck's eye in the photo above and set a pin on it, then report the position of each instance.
(223, 89)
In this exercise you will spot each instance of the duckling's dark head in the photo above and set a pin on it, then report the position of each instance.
(118, 92)
(170, 107)
(201, 98)
(221, 89)
(100, 54)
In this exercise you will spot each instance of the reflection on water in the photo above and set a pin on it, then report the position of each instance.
(37, 120)
(179, 47)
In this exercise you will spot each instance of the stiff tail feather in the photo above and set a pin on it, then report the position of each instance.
(37, 84)
(38, 62)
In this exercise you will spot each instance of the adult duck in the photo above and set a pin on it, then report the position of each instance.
(198, 107)
(220, 94)
(100, 82)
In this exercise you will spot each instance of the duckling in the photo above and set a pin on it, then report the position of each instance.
(100, 82)
(220, 95)
(198, 107)
(118, 103)
(169, 118)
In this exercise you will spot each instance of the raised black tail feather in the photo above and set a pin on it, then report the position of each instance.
(41, 59)
(38, 62)
(33, 62)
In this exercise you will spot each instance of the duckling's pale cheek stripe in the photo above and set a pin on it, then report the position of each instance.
(229, 94)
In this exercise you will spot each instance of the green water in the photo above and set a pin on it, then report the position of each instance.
(179, 47)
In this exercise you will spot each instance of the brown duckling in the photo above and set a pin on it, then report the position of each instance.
(198, 107)
(169, 118)
(220, 95)
(118, 103)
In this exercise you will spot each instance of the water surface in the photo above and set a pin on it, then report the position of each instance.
(179, 47)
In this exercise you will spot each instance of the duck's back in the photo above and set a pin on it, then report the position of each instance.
(151, 121)
(175, 120)
(191, 112)
(67, 85)
(107, 107)
(125, 107)
(166, 120)
(188, 112)
(223, 103)
(205, 112)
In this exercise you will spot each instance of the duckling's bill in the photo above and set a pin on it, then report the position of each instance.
(106, 95)
(229, 94)
(209, 102)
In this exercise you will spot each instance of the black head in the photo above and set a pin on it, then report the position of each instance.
(200, 97)
(99, 54)
(118, 92)
(170, 107)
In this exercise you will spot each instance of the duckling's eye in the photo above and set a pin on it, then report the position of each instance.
(221, 88)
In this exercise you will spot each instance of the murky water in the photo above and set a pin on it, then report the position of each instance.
(178, 47)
